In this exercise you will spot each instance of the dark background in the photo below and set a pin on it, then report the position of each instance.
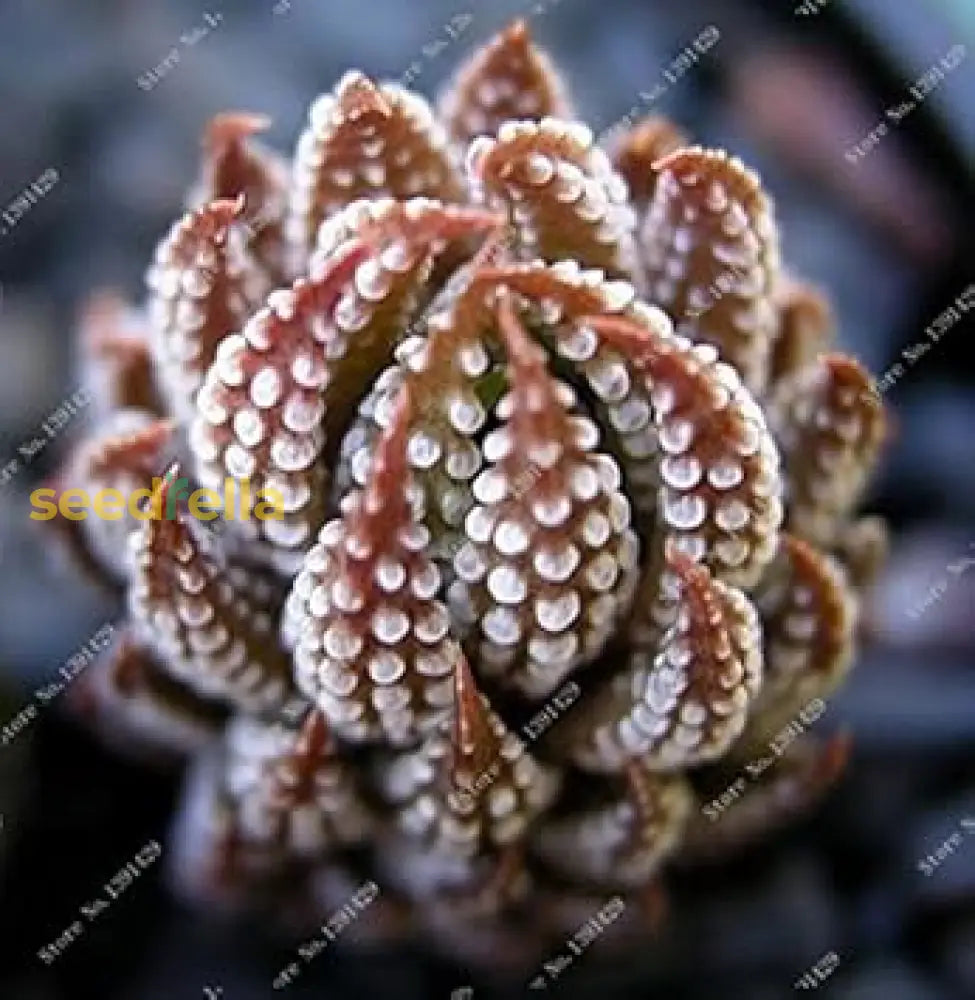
(889, 236)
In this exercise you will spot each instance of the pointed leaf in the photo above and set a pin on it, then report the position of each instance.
(710, 249)
(508, 78)
(365, 141)
(207, 632)
(203, 284)
(561, 194)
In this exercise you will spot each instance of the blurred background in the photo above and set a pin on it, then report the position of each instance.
(791, 87)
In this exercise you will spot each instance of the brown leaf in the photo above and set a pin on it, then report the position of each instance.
(205, 631)
(635, 154)
(563, 198)
(509, 78)
(203, 284)
(830, 424)
(710, 249)
(235, 165)
(365, 141)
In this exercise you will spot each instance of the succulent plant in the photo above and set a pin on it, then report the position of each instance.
(531, 433)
